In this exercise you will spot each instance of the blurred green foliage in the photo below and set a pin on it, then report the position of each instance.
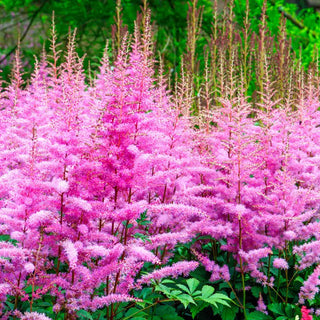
(302, 23)
(93, 20)
(31, 19)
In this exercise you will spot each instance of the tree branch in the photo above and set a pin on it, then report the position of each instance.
(25, 31)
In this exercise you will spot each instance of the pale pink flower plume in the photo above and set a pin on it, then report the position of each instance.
(261, 305)
(280, 263)
(99, 302)
(61, 186)
(29, 267)
(71, 253)
(34, 316)
(42, 217)
(179, 268)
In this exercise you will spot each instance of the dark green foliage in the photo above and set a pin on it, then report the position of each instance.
(30, 21)
(302, 24)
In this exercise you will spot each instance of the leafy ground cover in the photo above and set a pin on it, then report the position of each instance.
(122, 199)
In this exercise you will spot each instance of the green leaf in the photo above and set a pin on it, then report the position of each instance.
(257, 315)
(290, 310)
(184, 288)
(132, 311)
(167, 281)
(127, 224)
(196, 294)
(193, 284)
(28, 289)
(176, 292)
(167, 312)
(185, 299)
(142, 236)
(172, 317)
(84, 314)
(229, 313)
(143, 220)
(276, 308)
(163, 310)
(135, 313)
(195, 309)
(145, 293)
(10, 305)
(143, 303)
(218, 298)
(207, 291)
(223, 285)
(164, 289)
(43, 304)
(255, 291)
(212, 300)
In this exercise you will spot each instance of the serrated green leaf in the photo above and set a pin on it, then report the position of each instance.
(167, 281)
(276, 308)
(132, 311)
(167, 312)
(84, 314)
(28, 289)
(193, 284)
(164, 289)
(195, 309)
(143, 303)
(207, 291)
(176, 292)
(223, 285)
(184, 288)
(196, 294)
(289, 310)
(43, 304)
(299, 279)
(229, 313)
(214, 301)
(173, 317)
(218, 298)
(255, 291)
(10, 305)
(185, 299)
(163, 310)
(221, 296)
(257, 315)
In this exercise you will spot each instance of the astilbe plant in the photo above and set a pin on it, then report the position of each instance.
(261, 185)
(79, 167)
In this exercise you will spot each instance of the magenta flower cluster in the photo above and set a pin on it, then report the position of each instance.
(82, 166)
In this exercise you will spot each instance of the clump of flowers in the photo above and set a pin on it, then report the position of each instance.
(100, 183)
(86, 175)
(305, 313)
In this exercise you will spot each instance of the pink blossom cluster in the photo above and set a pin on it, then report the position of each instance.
(305, 313)
(260, 190)
(80, 164)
